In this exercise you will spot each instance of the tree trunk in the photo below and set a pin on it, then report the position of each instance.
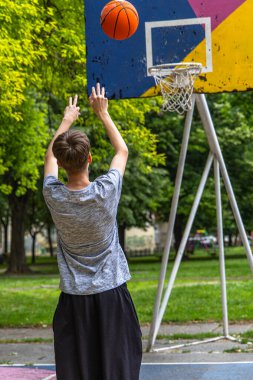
(178, 231)
(5, 225)
(49, 238)
(122, 230)
(230, 241)
(5, 245)
(34, 235)
(236, 240)
(17, 262)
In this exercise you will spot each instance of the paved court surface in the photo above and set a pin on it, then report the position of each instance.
(158, 371)
(221, 360)
(42, 353)
(197, 371)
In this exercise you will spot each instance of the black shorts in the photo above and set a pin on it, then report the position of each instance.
(97, 337)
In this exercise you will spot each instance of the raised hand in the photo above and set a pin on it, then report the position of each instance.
(72, 112)
(98, 101)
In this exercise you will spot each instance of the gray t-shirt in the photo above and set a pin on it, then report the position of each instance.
(89, 255)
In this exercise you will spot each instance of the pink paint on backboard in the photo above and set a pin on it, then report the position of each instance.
(218, 10)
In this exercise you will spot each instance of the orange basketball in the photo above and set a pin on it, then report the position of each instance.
(119, 19)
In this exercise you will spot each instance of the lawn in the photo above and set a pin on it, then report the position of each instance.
(31, 300)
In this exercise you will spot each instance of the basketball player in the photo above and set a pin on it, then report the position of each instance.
(96, 330)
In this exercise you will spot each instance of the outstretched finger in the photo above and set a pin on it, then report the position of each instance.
(103, 92)
(98, 89)
(75, 100)
(70, 101)
(93, 93)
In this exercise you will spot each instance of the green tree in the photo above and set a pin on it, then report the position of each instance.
(43, 62)
(21, 119)
(232, 118)
(24, 152)
(37, 216)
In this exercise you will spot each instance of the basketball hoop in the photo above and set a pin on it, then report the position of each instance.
(176, 82)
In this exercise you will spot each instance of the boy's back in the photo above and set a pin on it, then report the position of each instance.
(89, 255)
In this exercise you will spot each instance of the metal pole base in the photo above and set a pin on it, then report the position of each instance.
(215, 339)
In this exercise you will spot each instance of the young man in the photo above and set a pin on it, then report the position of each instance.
(96, 330)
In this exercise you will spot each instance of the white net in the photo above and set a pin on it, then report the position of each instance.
(176, 84)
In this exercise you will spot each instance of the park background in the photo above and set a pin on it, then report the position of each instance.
(43, 62)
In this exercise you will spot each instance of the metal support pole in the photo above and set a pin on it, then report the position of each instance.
(221, 247)
(171, 222)
(219, 165)
(215, 147)
(222, 272)
(183, 242)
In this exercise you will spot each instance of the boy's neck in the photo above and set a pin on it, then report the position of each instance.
(77, 181)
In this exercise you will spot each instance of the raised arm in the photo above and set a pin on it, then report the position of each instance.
(99, 103)
(71, 113)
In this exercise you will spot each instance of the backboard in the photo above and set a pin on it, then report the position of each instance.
(216, 33)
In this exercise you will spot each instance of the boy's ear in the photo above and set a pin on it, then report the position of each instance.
(59, 164)
(89, 158)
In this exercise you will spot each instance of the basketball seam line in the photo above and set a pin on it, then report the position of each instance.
(129, 26)
(119, 5)
(136, 15)
(131, 9)
(115, 26)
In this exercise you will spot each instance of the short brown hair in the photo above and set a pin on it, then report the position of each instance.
(72, 149)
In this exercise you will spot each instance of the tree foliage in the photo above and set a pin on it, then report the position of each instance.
(43, 58)
(233, 121)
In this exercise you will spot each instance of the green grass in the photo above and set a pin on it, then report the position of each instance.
(239, 350)
(31, 300)
(244, 338)
(198, 336)
(26, 340)
(28, 301)
(195, 302)
(248, 335)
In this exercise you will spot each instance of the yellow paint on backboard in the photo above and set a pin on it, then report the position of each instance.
(232, 53)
